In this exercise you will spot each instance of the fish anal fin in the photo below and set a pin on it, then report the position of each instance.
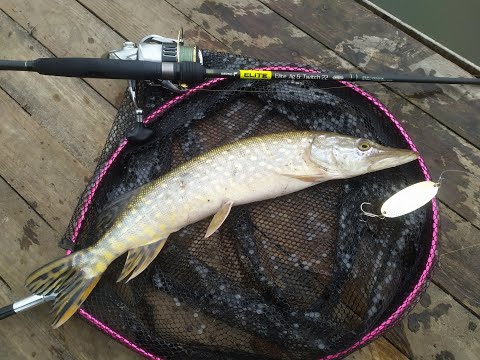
(139, 258)
(219, 218)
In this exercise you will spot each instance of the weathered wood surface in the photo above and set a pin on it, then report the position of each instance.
(379, 350)
(89, 28)
(459, 254)
(66, 28)
(65, 107)
(150, 17)
(376, 46)
(448, 331)
(37, 166)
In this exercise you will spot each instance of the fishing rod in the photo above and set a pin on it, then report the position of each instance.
(188, 72)
(169, 63)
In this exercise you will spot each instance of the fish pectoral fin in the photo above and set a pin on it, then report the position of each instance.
(219, 218)
(307, 178)
(139, 258)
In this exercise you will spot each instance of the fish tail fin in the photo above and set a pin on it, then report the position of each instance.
(66, 277)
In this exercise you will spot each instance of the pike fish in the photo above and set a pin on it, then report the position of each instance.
(246, 171)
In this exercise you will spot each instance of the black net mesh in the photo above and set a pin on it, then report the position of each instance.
(297, 277)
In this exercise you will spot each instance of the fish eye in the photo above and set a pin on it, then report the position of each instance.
(364, 145)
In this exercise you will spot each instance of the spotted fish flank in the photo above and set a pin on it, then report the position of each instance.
(242, 172)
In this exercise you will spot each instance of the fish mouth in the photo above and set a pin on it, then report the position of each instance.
(392, 157)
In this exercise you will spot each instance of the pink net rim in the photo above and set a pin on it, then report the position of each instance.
(365, 339)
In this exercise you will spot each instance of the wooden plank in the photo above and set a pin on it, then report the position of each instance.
(376, 46)
(381, 349)
(438, 328)
(71, 30)
(251, 29)
(34, 163)
(67, 108)
(150, 17)
(458, 271)
(423, 38)
(28, 241)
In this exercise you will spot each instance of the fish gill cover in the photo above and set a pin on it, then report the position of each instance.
(296, 277)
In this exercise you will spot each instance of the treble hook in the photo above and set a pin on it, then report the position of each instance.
(367, 213)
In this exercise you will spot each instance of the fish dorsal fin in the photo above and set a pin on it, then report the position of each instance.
(113, 208)
(219, 218)
(139, 258)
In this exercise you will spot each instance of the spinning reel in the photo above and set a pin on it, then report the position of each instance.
(161, 50)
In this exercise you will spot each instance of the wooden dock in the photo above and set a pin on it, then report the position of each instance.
(52, 131)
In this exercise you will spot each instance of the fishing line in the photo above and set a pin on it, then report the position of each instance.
(457, 250)
(440, 178)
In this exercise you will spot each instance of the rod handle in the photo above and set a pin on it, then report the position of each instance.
(118, 69)
(98, 68)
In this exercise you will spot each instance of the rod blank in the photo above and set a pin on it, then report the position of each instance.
(14, 65)
(329, 76)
